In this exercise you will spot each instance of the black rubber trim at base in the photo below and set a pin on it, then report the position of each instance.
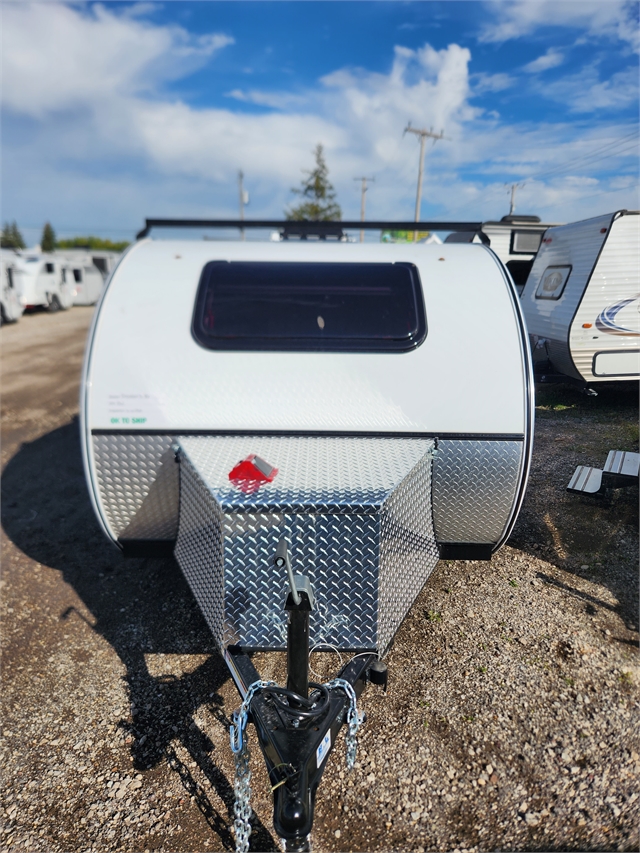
(465, 551)
(319, 433)
(147, 547)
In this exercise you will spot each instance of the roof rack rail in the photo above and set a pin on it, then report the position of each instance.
(311, 227)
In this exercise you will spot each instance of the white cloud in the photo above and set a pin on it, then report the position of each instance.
(585, 92)
(58, 57)
(483, 83)
(551, 59)
(275, 100)
(517, 18)
(122, 149)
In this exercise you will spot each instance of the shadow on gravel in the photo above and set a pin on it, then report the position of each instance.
(594, 538)
(140, 607)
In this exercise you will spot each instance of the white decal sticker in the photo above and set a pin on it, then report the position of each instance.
(323, 750)
(133, 409)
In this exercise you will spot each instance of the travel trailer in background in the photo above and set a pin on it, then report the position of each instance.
(103, 260)
(514, 239)
(43, 283)
(582, 299)
(11, 304)
(86, 278)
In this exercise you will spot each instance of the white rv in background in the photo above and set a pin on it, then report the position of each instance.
(85, 277)
(582, 299)
(103, 260)
(515, 240)
(43, 284)
(11, 305)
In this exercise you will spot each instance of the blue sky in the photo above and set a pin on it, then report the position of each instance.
(117, 111)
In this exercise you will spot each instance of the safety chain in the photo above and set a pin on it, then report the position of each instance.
(241, 754)
(354, 718)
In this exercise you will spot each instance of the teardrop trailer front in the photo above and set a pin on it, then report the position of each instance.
(343, 416)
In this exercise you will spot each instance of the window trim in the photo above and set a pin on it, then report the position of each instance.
(311, 345)
(554, 298)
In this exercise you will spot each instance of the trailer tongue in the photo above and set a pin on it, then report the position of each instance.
(357, 514)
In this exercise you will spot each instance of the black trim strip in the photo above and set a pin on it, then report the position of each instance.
(300, 225)
(259, 433)
(529, 401)
(465, 551)
(146, 547)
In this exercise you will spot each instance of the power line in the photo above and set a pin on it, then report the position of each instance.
(585, 157)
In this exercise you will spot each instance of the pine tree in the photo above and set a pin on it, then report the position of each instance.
(319, 204)
(11, 237)
(48, 239)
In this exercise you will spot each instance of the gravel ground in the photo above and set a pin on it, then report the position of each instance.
(511, 721)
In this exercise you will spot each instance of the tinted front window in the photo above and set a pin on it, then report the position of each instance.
(332, 307)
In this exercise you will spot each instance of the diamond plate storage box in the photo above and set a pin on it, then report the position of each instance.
(356, 513)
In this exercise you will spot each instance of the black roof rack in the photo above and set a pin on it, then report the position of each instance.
(306, 226)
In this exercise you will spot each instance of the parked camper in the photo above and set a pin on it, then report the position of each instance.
(43, 283)
(333, 439)
(86, 278)
(11, 288)
(582, 298)
(102, 260)
(515, 240)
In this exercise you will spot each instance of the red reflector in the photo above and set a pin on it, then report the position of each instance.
(250, 473)
(603, 230)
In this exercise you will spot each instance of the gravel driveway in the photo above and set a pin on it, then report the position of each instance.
(511, 721)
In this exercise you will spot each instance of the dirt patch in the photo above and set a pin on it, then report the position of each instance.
(511, 717)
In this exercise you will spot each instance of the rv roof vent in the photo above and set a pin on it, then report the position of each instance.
(512, 219)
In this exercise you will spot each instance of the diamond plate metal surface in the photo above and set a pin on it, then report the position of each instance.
(355, 511)
(474, 485)
(408, 548)
(199, 547)
(138, 485)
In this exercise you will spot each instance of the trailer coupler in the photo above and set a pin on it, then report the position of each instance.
(296, 729)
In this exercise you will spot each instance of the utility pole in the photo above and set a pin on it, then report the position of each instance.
(362, 201)
(514, 188)
(423, 134)
(243, 199)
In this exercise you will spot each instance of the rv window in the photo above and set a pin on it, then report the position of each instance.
(552, 283)
(77, 275)
(525, 242)
(331, 307)
(49, 267)
(10, 276)
(101, 264)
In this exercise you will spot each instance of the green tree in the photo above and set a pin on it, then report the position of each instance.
(48, 239)
(11, 237)
(319, 198)
(93, 243)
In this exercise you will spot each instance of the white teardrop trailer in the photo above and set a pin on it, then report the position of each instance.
(343, 416)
